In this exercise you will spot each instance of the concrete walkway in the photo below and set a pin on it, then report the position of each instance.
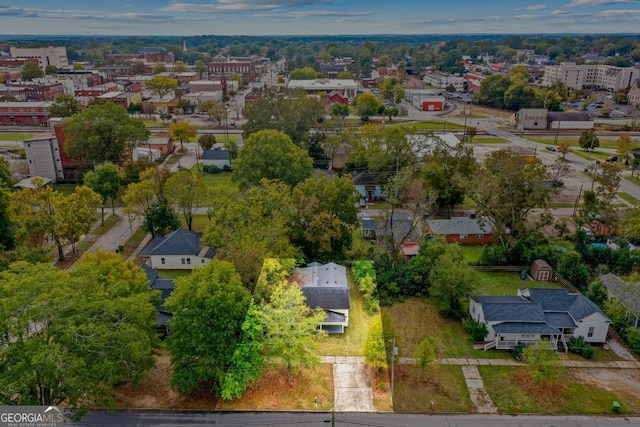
(351, 384)
(478, 394)
(620, 364)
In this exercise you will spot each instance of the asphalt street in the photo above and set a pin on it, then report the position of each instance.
(313, 419)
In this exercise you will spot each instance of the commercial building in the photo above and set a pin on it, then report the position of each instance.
(596, 76)
(346, 88)
(56, 56)
(43, 157)
(24, 113)
(441, 80)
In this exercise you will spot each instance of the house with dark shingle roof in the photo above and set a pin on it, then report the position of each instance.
(627, 294)
(325, 286)
(463, 230)
(165, 286)
(219, 158)
(539, 313)
(380, 227)
(178, 250)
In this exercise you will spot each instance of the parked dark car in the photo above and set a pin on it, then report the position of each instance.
(551, 148)
(612, 159)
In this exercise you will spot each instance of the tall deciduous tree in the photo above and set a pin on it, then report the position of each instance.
(200, 67)
(253, 226)
(326, 214)
(70, 336)
(183, 132)
(210, 306)
(289, 111)
(588, 140)
(367, 105)
(31, 71)
(186, 192)
(102, 132)
(291, 328)
(159, 67)
(64, 106)
(206, 141)
(452, 281)
(375, 349)
(446, 170)
(162, 85)
(305, 73)
(505, 190)
(7, 231)
(247, 361)
(138, 67)
(50, 215)
(270, 154)
(106, 180)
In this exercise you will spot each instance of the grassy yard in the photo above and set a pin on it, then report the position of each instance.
(433, 125)
(109, 221)
(155, 123)
(351, 343)
(133, 242)
(593, 155)
(628, 198)
(506, 283)
(18, 136)
(437, 389)
(414, 319)
(489, 140)
(573, 142)
(512, 391)
(65, 189)
(200, 223)
(599, 355)
(472, 252)
(172, 274)
(271, 392)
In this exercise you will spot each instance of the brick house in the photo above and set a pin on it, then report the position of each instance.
(462, 230)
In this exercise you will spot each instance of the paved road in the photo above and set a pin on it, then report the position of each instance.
(321, 419)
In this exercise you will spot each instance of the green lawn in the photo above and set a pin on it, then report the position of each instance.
(573, 141)
(351, 343)
(200, 223)
(133, 242)
(65, 189)
(628, 197)
(489, 140)
(433, 125)
(593, 155)
(512, 392)
(414, 319)
(506, 283)
(18, 136)
(472, 252)
(155, 123)
(436, 389)
(109, 221)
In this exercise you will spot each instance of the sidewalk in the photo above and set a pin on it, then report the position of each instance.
(620, 364)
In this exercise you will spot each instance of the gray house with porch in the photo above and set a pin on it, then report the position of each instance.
(627, 294)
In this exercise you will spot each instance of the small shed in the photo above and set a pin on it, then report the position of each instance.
(219, 158)
(541, 270)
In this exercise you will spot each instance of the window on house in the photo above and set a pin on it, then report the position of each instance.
(590, 333)
(202, 260)
(479, 236)
(183, 261)
(162, 261)
(464, 236)
(188, 260)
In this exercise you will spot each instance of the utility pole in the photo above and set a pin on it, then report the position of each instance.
(394, 352)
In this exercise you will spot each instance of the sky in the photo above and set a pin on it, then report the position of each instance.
(326, 17)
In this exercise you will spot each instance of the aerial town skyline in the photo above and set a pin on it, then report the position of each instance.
(302, 17)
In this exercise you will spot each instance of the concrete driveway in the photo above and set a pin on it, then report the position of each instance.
(352, 386)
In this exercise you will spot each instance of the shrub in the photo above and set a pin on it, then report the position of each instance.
(211, 169)
(517, 352)
(632, 336)
(226, 168)
(478, 330)
(425, 353)
(578, 345)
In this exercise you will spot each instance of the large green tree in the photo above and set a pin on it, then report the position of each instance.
(106, 180)
(68, 337)
(304, 73)
(367, 105)
(43, 214)
(588, 140)
(183, 131)
(64, 106)
(446, 170)
(493, 89)
(270, 154)
(186, 192)
(452, 281)
(251, 227)
(209, 306)
(162, 85)
(506, 189)
(31, 71)
(101, 133)
(325, 215)
(289, 111)
(291, 328)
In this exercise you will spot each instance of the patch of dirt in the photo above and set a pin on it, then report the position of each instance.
(625, 381)
(542, 391)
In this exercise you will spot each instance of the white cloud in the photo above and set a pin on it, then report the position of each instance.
(536, 7)
(312, 13)
(618, 12)
(226, 6)
(576, 3)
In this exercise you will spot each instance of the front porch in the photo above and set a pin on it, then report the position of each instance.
(501, 342)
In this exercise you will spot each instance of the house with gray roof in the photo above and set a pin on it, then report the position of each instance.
(463, 230)
(219, 158)
(402, 227)
(539, 313)
(178, 250)
(325, 286)
(627, 294)
(165, 286)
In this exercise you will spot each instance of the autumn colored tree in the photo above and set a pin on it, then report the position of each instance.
(183, 132)
(162, 85)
